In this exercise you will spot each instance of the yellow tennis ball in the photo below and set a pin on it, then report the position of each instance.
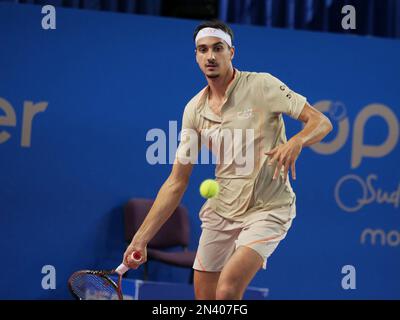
(209, 188)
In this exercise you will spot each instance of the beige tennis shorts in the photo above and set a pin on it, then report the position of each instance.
(220, 237)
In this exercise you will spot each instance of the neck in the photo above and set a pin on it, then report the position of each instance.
(219, 85)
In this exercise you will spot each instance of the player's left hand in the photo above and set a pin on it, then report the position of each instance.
(285, 155)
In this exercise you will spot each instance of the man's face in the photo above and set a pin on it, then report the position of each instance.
(214, 56)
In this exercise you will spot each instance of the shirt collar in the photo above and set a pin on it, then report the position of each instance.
(202, 103)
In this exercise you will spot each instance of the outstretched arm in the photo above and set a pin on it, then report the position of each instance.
(167, 200)
(317, 126)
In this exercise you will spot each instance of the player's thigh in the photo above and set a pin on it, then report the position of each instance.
(238, 272)
(205, 284)
(214, 249)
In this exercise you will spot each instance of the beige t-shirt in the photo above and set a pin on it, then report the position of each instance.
(250, 124)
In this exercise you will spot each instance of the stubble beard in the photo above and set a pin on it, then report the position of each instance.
(212, 76)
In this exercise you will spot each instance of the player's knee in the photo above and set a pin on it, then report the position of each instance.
(227, 291)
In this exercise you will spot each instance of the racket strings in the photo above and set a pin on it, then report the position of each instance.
(93, 286)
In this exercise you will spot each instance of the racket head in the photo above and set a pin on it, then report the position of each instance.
(94, 285)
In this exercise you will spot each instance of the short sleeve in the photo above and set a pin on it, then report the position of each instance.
(280, 98)
(188, 147)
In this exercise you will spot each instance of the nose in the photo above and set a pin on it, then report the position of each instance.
(210, 55)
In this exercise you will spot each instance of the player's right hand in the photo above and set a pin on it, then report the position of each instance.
(129, 261)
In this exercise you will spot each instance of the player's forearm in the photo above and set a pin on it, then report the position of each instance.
(167, 200)
(314, 131)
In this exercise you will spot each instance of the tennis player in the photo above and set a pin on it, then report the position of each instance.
(243, 225)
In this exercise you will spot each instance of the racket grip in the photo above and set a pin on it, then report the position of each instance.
(122, 268)
(137, 256)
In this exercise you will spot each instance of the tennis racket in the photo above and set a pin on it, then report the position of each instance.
(98, 285)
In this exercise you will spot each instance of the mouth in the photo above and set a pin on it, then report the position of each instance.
(211, 66)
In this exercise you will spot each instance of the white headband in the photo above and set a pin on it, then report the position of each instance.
(211, 32)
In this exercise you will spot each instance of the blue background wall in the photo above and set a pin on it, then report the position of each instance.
(108, 79)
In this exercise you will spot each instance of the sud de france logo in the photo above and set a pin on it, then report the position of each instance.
(370, 190)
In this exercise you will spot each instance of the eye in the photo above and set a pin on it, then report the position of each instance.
(202, 50)
(218, 48)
